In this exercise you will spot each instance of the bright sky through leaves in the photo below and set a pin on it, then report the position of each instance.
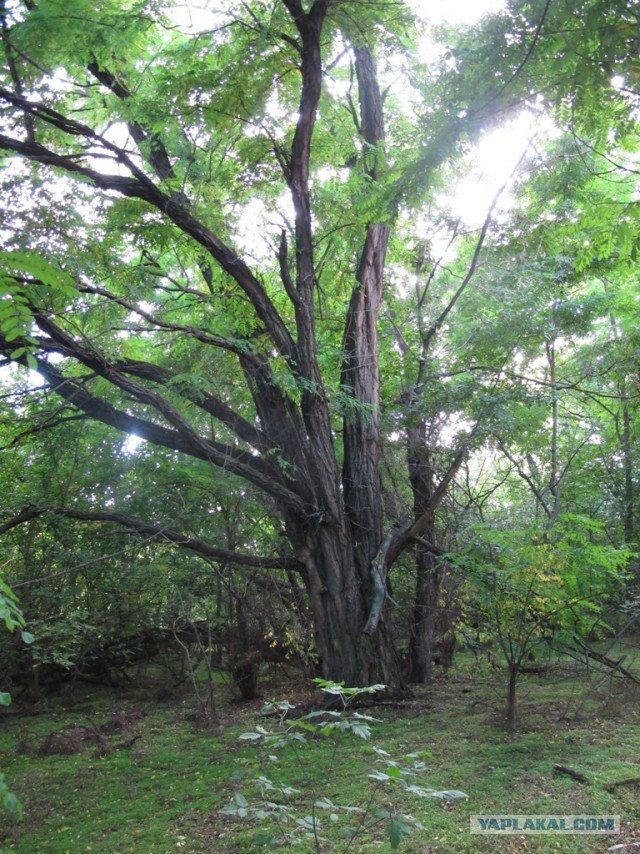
(455, 11)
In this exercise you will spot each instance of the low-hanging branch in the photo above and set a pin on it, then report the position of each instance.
(159, 532)
(113, 373)
(60, 342)
(280, 421)
(257, 470)
(611, 663)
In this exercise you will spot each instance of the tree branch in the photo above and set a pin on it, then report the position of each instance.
(436, 325)
(194, 544)
(415, 529)
(157, 156)
(13, 71)
(527, 478)
(142, 187)
(527, 57)
(263, 473)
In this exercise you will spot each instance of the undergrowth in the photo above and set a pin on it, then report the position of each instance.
(139, 776)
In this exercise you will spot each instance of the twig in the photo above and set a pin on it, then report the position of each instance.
(569, 772)
(629, 781)
(608, 662)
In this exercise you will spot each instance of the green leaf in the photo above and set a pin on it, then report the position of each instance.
(395, 832)
(308, 823)
(35, 266)
(12, 803)
(451, 795)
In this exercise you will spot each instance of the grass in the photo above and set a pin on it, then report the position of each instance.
(163, 791)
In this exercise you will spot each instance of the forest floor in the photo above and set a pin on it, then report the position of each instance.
(113, 772)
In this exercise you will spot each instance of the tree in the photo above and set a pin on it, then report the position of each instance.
(532, 590)
(134, 151)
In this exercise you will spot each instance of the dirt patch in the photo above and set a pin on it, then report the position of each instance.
(122, 722)
(75, 738)
(66, 741)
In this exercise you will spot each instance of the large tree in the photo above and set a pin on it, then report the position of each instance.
(151, 165)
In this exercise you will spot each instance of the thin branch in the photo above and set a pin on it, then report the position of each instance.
(575, 386)
(527, 478)
(525, 60)
(435, 326)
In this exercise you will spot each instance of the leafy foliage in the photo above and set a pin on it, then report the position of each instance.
(291, 734)
(11, 615)
(541, 589)
(23, 278)
(219, 239)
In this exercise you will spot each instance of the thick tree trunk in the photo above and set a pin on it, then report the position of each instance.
(376, 660)
(340, 609)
